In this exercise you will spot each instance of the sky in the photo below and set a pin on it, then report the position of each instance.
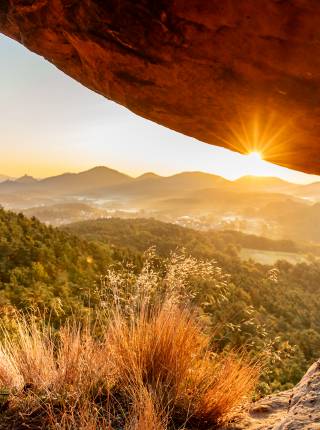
(51, 124)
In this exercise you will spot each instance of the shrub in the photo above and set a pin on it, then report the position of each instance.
(150, 367)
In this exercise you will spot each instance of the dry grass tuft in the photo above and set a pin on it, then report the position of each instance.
(151, 369)
(146, 414)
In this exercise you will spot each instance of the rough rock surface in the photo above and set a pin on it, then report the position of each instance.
(243, 74)
(295, 409)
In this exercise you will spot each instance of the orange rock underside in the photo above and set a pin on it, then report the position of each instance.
(243, 74)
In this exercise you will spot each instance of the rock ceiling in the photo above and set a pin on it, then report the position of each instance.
(242, 74)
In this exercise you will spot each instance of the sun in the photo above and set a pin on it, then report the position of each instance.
(253, 164)
(255, 156)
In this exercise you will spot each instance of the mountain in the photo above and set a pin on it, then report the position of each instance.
(310, 191)
(67, 183)
(264, 184)
(147, 175)
(182, 194)
(13, 185)
(298, 221)
(4, 178)
(104, 182)
(219, 201)
(26, 179)
(97, 177)
(152, 186)
(270, 184)
(194, 180)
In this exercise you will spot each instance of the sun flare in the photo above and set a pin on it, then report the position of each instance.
(255, 156)
(253, 164)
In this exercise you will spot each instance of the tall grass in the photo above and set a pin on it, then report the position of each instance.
(151, 366)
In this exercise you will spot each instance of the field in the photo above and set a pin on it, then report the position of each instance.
(271, 257)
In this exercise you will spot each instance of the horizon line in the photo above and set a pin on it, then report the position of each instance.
(66, 172)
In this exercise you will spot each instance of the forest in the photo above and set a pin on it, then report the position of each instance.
(269, 311)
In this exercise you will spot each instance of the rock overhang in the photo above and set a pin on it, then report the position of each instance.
(240, 74)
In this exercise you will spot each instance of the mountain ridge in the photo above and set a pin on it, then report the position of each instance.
(4, 178)
(101, 182)
(26, 179)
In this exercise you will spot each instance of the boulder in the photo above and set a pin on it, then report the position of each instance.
(296, 409)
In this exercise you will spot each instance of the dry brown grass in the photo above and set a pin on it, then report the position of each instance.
(152, 369)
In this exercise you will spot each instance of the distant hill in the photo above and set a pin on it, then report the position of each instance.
(152, 186)
(311, 191)
(140, 234)
(103, 182)
(219, 201)
(298, 221)
(62, 213)
(82, 182)
(4, 178)
(264, 184)
(68, 183)
(14, 186)
(263, 206)
(26, 179)
(147, 175)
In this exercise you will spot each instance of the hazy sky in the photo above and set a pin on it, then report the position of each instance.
(51, 124)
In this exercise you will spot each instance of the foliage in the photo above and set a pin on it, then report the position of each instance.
(47, 269)
(269, 310)
(141, 234)
(275, 305)
(152, 366)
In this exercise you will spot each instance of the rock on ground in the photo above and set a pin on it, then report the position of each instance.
(294, 409)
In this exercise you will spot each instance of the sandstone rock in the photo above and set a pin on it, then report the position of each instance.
(295, 409)
(243, 74)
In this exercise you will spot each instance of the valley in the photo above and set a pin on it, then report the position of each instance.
(262, 206)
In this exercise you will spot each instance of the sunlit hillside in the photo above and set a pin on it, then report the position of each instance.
(143, 360)
(60, 272)
(159, 215)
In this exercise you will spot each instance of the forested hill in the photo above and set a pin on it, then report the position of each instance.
(140, 234)
(44, 268)
(284, 308)
(41, 266)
